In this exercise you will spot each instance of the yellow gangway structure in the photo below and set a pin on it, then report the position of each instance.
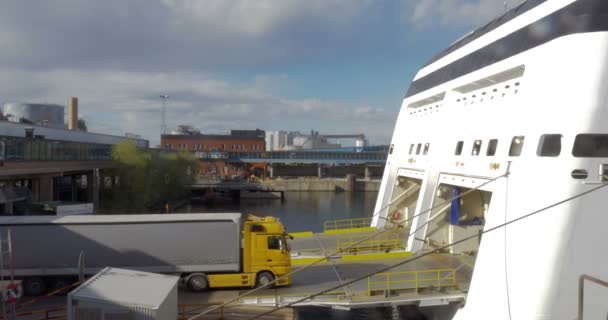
(389, 282)
(348, 226)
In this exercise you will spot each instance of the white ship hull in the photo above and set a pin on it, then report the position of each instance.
(535, 104)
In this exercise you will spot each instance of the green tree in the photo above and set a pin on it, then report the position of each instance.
(82, 125)
(147, 179)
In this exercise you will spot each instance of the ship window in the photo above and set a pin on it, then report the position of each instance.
(459, 146)
(476, 148)
(549, 145)
(580, 174)
(411, 148)
(426, 148)
(590, 145)
(492, 145)
(418, 147)
(390, 151)
(517, 143)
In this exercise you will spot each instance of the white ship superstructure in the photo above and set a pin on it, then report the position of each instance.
(519, 107)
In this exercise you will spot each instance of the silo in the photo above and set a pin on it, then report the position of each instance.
(43, 114)
(73, 113)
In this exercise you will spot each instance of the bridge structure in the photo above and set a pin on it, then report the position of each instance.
(47, 179)
(364, 162)
(309, 163)
(52, 164)
(300, 156)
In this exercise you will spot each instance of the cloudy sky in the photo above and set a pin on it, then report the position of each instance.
(336, 66)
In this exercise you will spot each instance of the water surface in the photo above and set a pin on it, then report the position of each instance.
(299, 211)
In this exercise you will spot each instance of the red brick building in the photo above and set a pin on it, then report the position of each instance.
(236, 141)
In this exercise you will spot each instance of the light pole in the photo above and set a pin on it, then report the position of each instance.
(163, 114)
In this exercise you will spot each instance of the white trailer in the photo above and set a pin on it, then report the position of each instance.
(46, 249)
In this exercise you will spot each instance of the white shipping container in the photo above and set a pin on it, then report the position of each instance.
(120, 294)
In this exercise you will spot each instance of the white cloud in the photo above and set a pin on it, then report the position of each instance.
(118, 56)
(470, 13)
(116, 102)
(262, 17)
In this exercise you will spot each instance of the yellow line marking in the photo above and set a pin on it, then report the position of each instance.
(301, 234)
(376, 256)
(301, 261)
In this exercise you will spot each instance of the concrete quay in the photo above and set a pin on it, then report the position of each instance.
(324, 184)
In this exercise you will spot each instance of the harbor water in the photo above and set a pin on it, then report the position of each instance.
(299, 211)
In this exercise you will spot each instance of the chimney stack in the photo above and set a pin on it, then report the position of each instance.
(73, 113)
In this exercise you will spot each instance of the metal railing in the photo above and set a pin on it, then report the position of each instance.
(411, 280)
(581, 291)
(294, 156)
(45, 314)
(184, 312)
(331, 225)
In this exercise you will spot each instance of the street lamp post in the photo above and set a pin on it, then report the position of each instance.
(163, 115)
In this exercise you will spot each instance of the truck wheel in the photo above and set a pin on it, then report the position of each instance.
(34, 286)
(197, 283)
(265, 278)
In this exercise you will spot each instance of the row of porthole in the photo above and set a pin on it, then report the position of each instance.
(549, 145)
(473, 97)
(418, 148)
(483, 94)
(587, 145)
(434, 108)
(514, 151)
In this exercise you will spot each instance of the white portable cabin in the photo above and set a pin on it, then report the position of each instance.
(125, 295)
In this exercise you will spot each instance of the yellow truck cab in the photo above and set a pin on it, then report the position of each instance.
(265, 256)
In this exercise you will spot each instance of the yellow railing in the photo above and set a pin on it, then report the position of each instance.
(411, 280)
(332, 225)
(354, 246)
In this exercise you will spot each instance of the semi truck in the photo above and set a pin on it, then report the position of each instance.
(206, 250)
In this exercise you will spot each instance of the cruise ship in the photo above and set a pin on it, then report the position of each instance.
(502, 139)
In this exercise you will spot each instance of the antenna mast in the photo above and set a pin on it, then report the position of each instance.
(163, 114)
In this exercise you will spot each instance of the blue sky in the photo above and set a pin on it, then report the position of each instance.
(336, 66)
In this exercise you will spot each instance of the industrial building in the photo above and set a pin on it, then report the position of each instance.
(236, 141)
(190, 139)
(295, 140)
(43, 159)
(41, 114)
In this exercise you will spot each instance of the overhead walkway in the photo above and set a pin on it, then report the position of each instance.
(344, 157)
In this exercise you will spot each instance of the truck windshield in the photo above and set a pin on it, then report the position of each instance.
(286, 244)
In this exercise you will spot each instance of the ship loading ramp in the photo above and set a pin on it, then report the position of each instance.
(438, 279)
